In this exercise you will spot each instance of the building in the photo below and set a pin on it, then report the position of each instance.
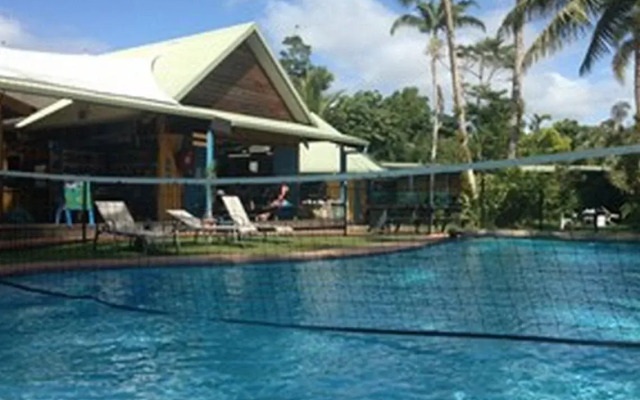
(155, 111)
(324, 158)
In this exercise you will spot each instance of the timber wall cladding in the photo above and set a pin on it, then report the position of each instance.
(239, 84)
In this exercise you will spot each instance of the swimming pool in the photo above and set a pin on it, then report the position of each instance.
(53, 347)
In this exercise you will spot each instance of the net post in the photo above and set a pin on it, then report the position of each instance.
(85, 210)
(432, 201)
(541, 211)
(210, 165)
(483, 210)
(2, 156)
(344, 194)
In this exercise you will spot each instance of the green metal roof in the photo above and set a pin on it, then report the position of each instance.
(324, 157)
(178, 66)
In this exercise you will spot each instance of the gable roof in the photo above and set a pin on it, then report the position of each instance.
(175, 67)
(181, 63)
(178, 65)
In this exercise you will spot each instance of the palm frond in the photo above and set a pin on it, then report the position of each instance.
(621, 58)
(570, 24)
(471, 22)
(464, 4)
(430, 15)
(530, 10)
(612, 26)
(408, 21)
(408, 3)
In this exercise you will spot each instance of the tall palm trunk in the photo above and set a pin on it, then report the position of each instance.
(458, 99)
(637, 82)
(516, 93)
(433, 49)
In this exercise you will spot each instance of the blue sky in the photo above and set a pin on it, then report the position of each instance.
(350, 36)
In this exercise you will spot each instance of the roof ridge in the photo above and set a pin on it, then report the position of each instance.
(245, 26)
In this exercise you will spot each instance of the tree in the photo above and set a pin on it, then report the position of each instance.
(545, 141)
(393, 125)
(619, 113)
(486, 60)
(489, 122)
(429, 18)
(516, 86)
(537, 120)
(312, 82)
(458, 98)
(296, 57)
(614, 26)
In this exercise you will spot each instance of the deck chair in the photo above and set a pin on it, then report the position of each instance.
(119, 222)
(241, 219)
(381, 223)
(188, 222)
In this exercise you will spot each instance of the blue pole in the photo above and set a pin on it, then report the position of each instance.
(210, 173)
(344, 189)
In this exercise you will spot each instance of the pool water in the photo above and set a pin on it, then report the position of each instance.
(52, 347)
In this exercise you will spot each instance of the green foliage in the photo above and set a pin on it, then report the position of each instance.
(489, 115)
(516, 199)
(296, 58)
(580, 135)
(429, 16)
(312, 82)
(486, 59)
(544, 141)
(397, 126)
(613, 25)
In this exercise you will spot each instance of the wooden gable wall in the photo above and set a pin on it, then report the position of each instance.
(239, 84)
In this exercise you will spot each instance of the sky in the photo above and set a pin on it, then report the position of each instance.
(351, 37)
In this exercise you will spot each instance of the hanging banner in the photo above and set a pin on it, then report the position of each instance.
(73, 195)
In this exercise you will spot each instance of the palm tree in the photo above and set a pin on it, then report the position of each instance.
(430, 18)
(613, 25)
(537, 120)
(313, 86)
(486, 59)
(458, 98)
(516, 86)
(619, 113)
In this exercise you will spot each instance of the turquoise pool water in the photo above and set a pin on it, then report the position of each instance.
(53, 347)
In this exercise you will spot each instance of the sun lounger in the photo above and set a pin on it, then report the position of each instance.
(381, 222)
(188, 222)
(119, 222)
(241, 219)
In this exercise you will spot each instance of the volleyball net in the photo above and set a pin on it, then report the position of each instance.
(539, 249)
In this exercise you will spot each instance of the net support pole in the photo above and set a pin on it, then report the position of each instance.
(85, 210)
(541, 201)
(209, 173)
(483, 211)
(344, 194)
(2, 156)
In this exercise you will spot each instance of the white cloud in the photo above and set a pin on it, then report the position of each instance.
(14, 33)
(353, 38)
(581, 99)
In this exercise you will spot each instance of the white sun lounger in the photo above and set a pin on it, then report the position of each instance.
(119, 222)
(191, 223)
(240, 218)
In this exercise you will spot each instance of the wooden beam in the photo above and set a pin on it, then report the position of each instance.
(16, 105)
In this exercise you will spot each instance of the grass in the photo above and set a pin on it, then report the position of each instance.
(255, 247)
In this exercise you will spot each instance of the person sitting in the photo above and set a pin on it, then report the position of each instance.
(278, 203)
